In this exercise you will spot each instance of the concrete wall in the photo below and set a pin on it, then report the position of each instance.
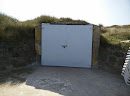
(13, 55)
(111, 60)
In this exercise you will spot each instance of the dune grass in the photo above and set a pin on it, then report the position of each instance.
(12, 30)
(112, 36)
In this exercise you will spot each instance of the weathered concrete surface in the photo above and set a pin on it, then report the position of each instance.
(95, 46)
(61, 81)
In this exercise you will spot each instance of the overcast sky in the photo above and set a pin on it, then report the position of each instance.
(106, 12)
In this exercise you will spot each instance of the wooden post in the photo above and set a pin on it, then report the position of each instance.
(38, 43)
(38, 39)
(95, 46)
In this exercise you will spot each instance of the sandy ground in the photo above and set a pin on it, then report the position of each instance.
(61, 81)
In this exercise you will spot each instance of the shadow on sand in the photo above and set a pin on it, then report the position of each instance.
(69, 81)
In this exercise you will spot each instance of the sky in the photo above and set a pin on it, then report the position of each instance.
(105, 12)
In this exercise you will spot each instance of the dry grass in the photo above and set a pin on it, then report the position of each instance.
(112, 36)
(13, 30)
(114, 30)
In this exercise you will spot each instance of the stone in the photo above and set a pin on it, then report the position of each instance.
(108, 52)
(103, 57)
(7, 55)
(24, 60)
(15, 54)
(95, 66)
(2, 67)
(19, 64)
(110, 64)
(112, 59)
(2, 50)
(13, 62)
(121, 61)
(6, 62)
(10, 49)
(16, 63)
(116, 70)
(1, 61)
(118, 54)
(106, 68)
(20, 49)
(26, 47)
(1, 54)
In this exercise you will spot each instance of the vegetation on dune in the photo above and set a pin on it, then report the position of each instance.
(41, 19)
(4, 20)
(53, 20)
(13, 30)
(112, 36)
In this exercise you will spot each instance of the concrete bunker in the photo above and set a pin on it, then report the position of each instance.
(47, 35)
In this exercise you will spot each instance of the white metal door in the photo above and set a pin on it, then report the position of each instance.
(66, 45)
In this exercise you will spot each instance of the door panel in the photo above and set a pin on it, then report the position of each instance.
(66, 45)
